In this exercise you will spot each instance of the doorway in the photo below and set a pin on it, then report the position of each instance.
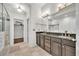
(18, 32)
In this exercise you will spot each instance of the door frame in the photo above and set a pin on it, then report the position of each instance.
(18, 20)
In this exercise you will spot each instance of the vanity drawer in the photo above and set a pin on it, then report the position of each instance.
(47, 38)
(69, 42)
(58, 40)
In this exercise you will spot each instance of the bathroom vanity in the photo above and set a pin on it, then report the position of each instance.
(57, 44)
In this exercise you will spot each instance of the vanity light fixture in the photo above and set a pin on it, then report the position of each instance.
(46, 13)
(19, 9)
(60, 6)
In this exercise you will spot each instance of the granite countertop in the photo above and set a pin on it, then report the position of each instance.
(55, 32)
(61, 37)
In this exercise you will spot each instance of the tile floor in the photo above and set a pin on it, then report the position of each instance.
(22, 49)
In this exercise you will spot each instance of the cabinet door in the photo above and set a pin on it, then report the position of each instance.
(47, 43)
(37, 38)
(55, 49)
(68, 50)
(42, 41)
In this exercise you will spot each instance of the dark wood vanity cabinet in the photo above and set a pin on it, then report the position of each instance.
(38, 39)
(68, 48)
(42, 41)
(47, 43)
(56, 46)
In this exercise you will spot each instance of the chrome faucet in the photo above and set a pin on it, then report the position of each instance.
(66, 33)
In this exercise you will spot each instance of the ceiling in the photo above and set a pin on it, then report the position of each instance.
(12, 7)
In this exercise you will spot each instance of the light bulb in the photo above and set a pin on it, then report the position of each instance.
(60, 6)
